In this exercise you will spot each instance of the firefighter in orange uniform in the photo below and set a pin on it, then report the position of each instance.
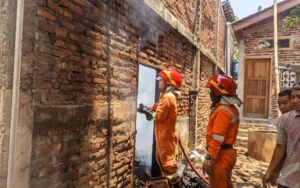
(164, 114)
(222, 131)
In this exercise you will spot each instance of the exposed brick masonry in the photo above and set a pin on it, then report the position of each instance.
(79, 73)
(204, 102)
(208, 21)
(286, 57)
(85, 91)
(183, 10)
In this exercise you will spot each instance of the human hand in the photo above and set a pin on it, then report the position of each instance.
(270, 178)
(206, 166)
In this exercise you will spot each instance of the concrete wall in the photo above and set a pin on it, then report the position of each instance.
(7, 36)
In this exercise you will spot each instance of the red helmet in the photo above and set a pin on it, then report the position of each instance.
(222, 85)
(171, 77)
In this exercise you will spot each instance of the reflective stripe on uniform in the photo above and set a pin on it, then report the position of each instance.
(218, 137)
(233, 119)
(172, 176)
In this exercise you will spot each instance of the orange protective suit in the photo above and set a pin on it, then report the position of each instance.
(222, 129)
(165, 133)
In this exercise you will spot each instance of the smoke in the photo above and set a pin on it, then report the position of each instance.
(148, 23)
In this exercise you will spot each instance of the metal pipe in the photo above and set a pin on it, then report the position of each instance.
(15, 92)
(228, 72)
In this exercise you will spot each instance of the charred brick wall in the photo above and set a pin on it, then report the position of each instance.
(85, 87)
(286, 57)
(79, 86)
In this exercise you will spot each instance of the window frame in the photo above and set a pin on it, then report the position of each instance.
(272, 49)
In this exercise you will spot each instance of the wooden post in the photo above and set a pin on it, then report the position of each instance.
(276, 52)
(196, 78)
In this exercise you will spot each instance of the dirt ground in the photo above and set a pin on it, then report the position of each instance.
(247, 173)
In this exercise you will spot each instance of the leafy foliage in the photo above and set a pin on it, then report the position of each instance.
(259, 8)
(236, 52)
(293, 19)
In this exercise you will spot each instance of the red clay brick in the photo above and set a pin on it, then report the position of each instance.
(75, 58)
(46, 15)
(61, 32)
(68, 25)
(99, 81)
(91, 51)
(71, 6)
(68, 14)
(98, 45)
(63, 44)
(96, 35)
(55, 7)
(83, 3)
(46, 27)
(84, 179)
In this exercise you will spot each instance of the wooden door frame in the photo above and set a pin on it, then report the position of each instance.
(269, 99)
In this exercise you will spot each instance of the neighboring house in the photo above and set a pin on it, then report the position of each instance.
(79, 79)
(256, 67)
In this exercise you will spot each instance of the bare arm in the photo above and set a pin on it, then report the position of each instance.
(277, 158)
(275, 166)
(280, 165)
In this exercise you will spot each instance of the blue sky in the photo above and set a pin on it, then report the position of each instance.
(243, 8)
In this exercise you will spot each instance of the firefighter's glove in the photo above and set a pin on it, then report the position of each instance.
(144, 110)
(207, 165)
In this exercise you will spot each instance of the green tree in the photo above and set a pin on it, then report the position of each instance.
(293, 18)
(259, 8)
(236, 52)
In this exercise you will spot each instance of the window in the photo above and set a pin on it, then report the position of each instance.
(269, 43)
(288, 78)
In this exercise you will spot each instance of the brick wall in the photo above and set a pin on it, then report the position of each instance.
(221, 40)
(85, 83)
(184, 10)
(208, 21)
(204, 101)
(79, 86)
(286, 57)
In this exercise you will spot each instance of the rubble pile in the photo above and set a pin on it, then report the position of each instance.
(247, 172)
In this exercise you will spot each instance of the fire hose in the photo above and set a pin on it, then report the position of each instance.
(191, 164)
